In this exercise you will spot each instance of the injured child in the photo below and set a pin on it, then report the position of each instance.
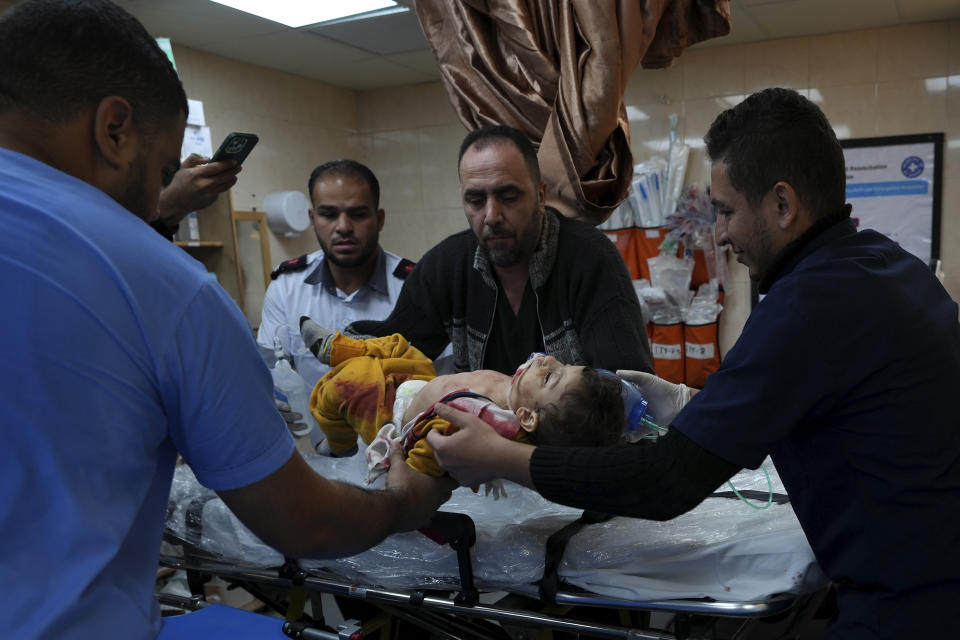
(385, 389)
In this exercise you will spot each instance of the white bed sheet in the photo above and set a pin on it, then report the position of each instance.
(723, 549)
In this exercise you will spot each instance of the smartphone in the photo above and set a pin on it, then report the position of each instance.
(236, 146)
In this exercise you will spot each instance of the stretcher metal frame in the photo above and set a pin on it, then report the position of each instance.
(460, 614)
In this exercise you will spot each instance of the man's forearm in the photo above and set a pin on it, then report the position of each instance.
(512, 462)
(657, 480)
(301, 513)
(359, 519)
(194, 186)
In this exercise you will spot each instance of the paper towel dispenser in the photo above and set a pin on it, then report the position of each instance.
(287, 212)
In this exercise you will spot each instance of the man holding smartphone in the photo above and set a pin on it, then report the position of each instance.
(195, 186)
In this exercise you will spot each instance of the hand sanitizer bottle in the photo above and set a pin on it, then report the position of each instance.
(288, 388)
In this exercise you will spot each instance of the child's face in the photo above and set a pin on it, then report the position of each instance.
(541, 380)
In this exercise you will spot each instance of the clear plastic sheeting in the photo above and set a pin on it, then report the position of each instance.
(677, 156)
(655, 188)
(671, 275)
(643, 206)
(692, 225)
(197, 515)
(723, 549)
(704, 308)
(656, 298)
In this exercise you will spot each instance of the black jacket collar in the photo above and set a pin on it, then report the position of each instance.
(820, 232)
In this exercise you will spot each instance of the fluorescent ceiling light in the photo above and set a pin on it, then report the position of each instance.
(298, 13)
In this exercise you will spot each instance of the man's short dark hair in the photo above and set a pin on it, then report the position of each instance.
(496, 133)
(589, 414)
(344, 167)
(60, 57)
(774, 135)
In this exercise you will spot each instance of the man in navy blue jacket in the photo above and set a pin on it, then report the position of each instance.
(844, 374)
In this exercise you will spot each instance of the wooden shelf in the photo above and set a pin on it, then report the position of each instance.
(200, 244)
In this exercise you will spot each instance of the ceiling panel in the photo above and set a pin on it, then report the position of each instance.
(296, 52)
(928, 10)
(814, 17)
(387, 34)
(390, 50)
(422, 61)
(743, 28)
(198, 23)
(373, 73)
(754, 3)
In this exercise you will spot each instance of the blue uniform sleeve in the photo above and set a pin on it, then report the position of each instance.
(219, 396)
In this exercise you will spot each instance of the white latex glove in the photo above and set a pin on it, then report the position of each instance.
(666, 398)
(495, 487)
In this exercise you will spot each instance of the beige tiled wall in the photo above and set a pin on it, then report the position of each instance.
(875, 82)
(410, 137)
(300, 122)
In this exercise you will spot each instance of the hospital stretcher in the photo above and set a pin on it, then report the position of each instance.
(500, 569)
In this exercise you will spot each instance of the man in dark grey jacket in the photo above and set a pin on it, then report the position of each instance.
(524, 278)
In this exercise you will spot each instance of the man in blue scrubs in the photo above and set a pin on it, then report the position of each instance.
(120, 351)
(845, 374)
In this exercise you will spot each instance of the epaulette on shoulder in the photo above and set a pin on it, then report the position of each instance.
(403, 269)
(289, 266)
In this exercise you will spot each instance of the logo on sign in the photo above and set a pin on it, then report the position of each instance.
(912, 166)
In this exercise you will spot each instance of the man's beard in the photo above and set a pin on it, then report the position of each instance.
(367, 250)
(761, 252)
(503, 254)
(134, 198)
(513, 251)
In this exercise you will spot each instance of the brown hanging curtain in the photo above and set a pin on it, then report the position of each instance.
(557, 70)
